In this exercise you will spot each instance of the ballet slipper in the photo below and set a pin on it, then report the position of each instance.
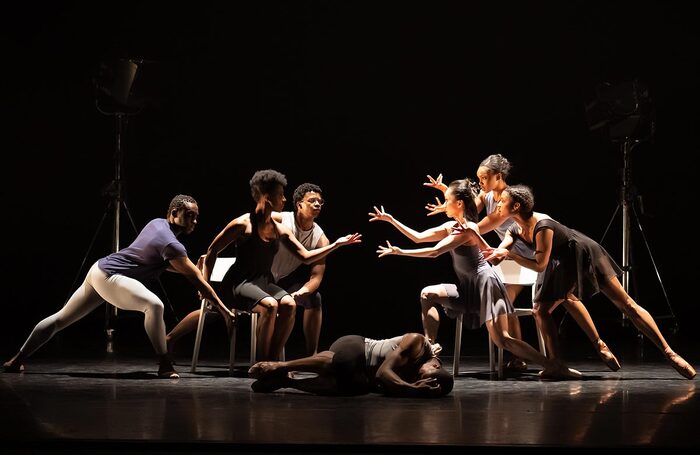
(681, 366)
(166, 371)
(560, 371)
(517, 365)
(12, 367)
(606, 355)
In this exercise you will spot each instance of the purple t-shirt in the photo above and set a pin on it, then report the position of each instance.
(148, 255)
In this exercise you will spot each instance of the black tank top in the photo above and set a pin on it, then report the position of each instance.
(253, 256)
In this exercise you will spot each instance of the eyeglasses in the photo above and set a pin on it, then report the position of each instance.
(314, 200)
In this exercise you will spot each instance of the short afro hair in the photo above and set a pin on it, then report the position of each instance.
(178, 203)
(265, 181)
(301, 191)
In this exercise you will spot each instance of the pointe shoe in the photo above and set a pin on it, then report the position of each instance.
(681, 366)
(607, 356)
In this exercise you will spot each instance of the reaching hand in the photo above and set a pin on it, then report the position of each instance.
(387, 250)
(436, 183)
(379, 215)
(438, 207)
(459, 228)
(428, 387)
(349, 239)
(495, 255)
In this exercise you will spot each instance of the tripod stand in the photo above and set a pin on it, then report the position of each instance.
(115, 192)
(629, 211)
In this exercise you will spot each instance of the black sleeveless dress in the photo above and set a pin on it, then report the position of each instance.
(250, 278)
(577, 262)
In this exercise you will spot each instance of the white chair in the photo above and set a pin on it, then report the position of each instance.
(221, 266)
(510, 273)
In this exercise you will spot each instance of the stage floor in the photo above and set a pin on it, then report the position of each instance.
(117, 404)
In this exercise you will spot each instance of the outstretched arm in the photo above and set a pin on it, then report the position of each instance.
(450, 242)
(308, 257)
(410, 349)
(184, 266)
(318, 268)
(430, 235)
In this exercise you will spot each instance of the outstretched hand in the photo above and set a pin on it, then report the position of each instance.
(349, 239)
(436, 183)
(427, 387)
(438, 207)
(379, 215)
(387, 250)
(495, 255)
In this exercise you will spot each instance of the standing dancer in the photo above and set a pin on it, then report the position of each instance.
(118, 280)
(572, 267)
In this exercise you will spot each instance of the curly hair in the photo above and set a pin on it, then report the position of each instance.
(523, 195)
(301, 191)
(265, 181)
(497, 164)
(178, 203)
(465, 191)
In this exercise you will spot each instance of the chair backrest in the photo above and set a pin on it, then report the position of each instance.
(511, 272)
(221, 266)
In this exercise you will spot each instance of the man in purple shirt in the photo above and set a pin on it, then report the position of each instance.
(118, 280)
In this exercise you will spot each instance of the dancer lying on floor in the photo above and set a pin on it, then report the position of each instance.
(403, 366)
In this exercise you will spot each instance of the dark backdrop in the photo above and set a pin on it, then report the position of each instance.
(364, 99)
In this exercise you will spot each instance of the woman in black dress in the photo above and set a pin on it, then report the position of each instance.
(574, 267)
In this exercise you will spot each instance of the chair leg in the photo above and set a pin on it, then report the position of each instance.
(198, 339)
(458, 346)
(232, 347)
(253, 338)
(492, 357)
(500, 363)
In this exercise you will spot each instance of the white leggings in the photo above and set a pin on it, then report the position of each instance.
(123, 292)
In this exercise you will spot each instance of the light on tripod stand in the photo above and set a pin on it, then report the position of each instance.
(113, 96)
(626, 112)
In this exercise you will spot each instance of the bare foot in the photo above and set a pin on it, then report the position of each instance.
(261, 369)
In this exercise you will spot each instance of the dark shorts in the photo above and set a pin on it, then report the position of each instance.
(246, 295)
(294, 281)
(349, 365)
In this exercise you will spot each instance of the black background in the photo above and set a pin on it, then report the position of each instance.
(362, 98)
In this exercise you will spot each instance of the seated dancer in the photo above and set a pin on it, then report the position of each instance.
(572, 267)
(249, 284)
(118, 280)
(480, 295)
(492, 174)
(403, 366)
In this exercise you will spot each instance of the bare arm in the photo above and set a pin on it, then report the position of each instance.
(429, 235)
(184, 266)
(410, 349)
(318, 268)
(235, 229)
(542, 255)
(308, 257)
(491, 222)
(450, 242)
